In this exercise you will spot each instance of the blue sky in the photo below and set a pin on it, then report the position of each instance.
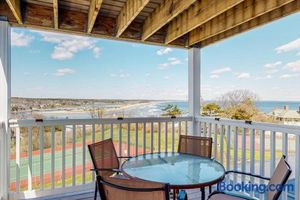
(265, 60)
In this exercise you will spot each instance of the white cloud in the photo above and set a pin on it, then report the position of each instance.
(272, 71)
(120, 74)
(174, 61)
(214, 76)
(61, 53)
(64, 71)
(293, 66)
(20, 39)
(164, 51)
(167, 77)
(288, 76)
(171, 61)
(243, 75)
(264, 77)
(294, 45)
(273, 65)
(268, 77)
(164, 66)
(97, 52)
(221, 70)
(66, 46)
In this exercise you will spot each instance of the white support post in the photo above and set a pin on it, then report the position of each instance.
(4, 108)
(194, 88)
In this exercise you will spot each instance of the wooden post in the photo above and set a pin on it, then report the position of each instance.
(194, 88)
(4, 107)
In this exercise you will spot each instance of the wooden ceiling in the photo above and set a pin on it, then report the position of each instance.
(180, 23)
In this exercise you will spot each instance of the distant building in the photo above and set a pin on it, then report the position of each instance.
(287, 116)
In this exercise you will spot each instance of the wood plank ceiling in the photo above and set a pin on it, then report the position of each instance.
(180, 23)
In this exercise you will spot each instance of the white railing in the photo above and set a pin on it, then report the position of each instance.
(50, 155)
(254, 147)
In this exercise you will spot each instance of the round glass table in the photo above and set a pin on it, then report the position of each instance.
(181, 171)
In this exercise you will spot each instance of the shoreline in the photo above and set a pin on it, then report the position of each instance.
(82, 111)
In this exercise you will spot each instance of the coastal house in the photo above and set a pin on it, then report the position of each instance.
(33, 167)
(286, 115)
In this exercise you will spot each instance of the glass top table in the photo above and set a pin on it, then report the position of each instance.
(181, 171)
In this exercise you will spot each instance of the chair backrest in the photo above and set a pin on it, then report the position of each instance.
(279, 177)
(104, 156)
(112, 188)
(200, 146)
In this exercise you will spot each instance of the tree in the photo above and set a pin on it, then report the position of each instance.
(211, 109)
(171, 110)
(239, 105)
(245, 110)
(236, 97)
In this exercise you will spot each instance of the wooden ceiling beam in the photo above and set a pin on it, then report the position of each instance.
(15, 7)
(240, 18)
(196, 16)
(129, 12)
(275, 14)
(236, 16)
(55, 13)
(162, 15)
(94, 9)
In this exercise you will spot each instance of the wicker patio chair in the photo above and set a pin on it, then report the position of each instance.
(195, 145)
(112, 188)
(279, 177)
(105, 159)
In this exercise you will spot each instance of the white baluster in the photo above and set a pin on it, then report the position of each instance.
(74, 156)
(18, 164)
(144, 138)
(136, 139)
(151, 138)
(273, 152)
(63, 150)
(29, 180)
(128, 139)
(53, 145)
(235, 152)
(228, 134)
(244, 152)
(166, 136)
(221, 143)
(83, 152)
(41, 132)
(159, 136)
(173, 135)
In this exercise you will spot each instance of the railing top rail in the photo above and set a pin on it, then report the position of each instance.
(291, 129)
(53, 122)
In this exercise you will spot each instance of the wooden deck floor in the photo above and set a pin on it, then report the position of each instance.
(193, 194)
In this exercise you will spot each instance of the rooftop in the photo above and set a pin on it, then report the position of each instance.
(286, 113)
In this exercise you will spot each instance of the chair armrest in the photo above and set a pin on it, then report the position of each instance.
(247, 174)
(124, 156)
(105, 169)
